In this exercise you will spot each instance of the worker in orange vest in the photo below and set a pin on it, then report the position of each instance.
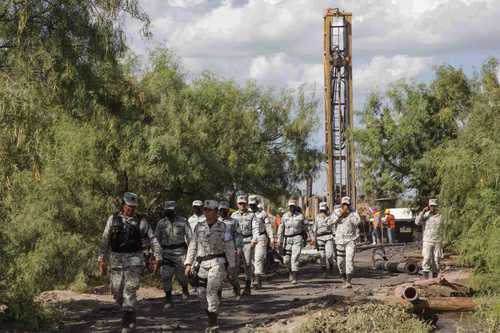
(376, 225)
(390, 220)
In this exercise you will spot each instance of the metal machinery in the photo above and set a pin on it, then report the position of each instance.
(337, 62)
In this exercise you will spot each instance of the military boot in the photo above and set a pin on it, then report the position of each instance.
(212, 322)
(128, 322)
(236, 291)
(324, 272)
(247, 290)
(294, 277)
(185, 292)
(168, 301)
(258, 282)
(347, 283)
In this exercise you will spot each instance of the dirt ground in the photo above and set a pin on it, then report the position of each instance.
(278, 306)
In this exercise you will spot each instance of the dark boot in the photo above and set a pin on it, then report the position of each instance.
(247, 290)
(168, 300)
(347, 283)
(212, 321)
(185, 292)
(324, 272)
(219, 293)
(258, 282)
(236, 291)
(128, 321)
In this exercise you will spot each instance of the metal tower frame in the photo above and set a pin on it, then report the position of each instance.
(337, 62)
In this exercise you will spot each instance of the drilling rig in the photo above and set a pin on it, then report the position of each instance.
(337, 62)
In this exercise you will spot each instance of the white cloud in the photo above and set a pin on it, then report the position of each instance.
(382, 71)
(184, 3)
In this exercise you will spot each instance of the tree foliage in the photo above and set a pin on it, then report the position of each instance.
(403, 130)
(78, 127)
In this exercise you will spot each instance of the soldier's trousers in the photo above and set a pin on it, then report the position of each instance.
(211, 275)
(432, 253)
(345, 257)
(124, 285)
(169, 270)
(293, 248)
(248, 257)
(260, 255)
(326, 251)
(126, 270)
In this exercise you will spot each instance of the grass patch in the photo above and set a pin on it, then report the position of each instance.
(369, 318)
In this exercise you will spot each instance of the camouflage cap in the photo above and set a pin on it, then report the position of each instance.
(169, 205)
(211, 204)
(223, 205)
(242, 199)
(130, 199)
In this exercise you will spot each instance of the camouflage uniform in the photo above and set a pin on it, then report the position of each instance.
(245, 220)
(194, 220)
(127, 266)
(323, 235)
(211, 247)
(291, 232)
(234, 233)
(431, 248)
(174, 238)
(262, 232)
(346, 232)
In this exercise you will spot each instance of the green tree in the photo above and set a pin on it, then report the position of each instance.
(402, 133)
(470, 189)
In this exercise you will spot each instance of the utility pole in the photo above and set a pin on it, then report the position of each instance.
(337, 62)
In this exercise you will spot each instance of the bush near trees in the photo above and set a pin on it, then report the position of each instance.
(79, 126)
(442, 139)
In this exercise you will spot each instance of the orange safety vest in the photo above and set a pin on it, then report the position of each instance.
(391, 221)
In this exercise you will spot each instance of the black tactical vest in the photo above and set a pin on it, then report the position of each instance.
(125, 237)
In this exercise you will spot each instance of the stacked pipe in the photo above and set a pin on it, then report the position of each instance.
(380, 262)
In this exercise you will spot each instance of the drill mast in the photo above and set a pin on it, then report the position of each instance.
(337, 62)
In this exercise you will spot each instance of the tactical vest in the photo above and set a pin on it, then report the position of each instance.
(125, 237)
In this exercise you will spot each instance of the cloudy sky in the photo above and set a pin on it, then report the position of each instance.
(279, 42)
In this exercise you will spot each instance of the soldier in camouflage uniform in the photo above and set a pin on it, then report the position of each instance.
(174, 234)
(244, 219)
(324, 238)
(291, 233)
(209, 251)
(197, 216)
(346, 223)
(126, 234)
(262, 233)
(233, 229)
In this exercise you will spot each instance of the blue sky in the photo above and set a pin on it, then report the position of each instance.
(278, 43)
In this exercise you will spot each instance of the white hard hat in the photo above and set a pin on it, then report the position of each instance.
(197, 203)
(292, 202)
(252, 200)
(346, 201)
(323, 206)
